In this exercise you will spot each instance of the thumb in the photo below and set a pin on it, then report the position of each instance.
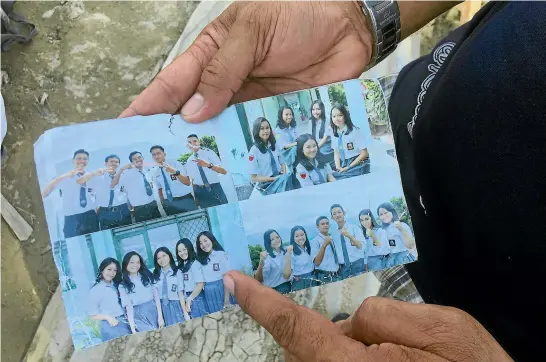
(224, 74)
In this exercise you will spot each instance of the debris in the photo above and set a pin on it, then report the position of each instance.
(16, 222)
(46, 250)
(5, 77)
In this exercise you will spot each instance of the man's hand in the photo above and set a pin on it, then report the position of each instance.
(201, 162)
(258, 49)
(380, 330)
(327, 240)
(168, 168)
(127, 166)
(73, 173)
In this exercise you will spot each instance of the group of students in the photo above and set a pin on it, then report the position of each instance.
(337, 252)
(130, 298)
(112, 196)
(282, 159)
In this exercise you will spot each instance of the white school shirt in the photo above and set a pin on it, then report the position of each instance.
(272, 270)
(193, 276)
(310, 178)
(353, 142)
(394, 237)
(282, 135)
(327, 130)
(70, 192)
(174, 284)
(100, 186)
(303, 263)
(260, 163)
(132, 183)
(178, 189)
(329, 261)
(141, 294)
(216, 267)
(103, 299)
(384, 249)
(354, 252)
(193, 171)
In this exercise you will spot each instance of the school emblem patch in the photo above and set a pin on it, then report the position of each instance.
(174, 287)
(186, 277)
(251, 158)
(173, 178)
(392, 242)
(89, 190)
(303, 175)
(216, 266)
(350, 146)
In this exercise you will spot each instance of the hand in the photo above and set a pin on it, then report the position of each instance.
(102, 171)
(201, 162)
(344, 232)
(168, 168)
(161, 322)
(327, 240)
(398, 225)
(246, 54)
(369, 232)
(342, 169)
(73, 173)
(263, 256)
(112, 321)
(289, 249)
(188, 305)
(381, 330)
(128, 166)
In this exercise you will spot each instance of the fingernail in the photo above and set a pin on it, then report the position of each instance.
(193, 105)
(229, 284)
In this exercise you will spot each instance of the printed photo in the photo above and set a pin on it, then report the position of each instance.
(300, 139)
(376, 106)
(101, 175)
(323, 234)
(143, 277)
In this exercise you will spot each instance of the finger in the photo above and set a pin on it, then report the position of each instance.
(304, 333)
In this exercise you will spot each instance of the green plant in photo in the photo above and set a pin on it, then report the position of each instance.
(375, 104)
(336, 93)
(255, 251)
(206, 142)
(402, 209)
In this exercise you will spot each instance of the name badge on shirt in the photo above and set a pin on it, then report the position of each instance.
(392, 242)
(350, 146)
(173, 177)
(174, 287)
(89, 189)
(216, 266)
(122, 189)
(186, 277)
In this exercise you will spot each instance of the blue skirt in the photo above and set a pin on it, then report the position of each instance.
(281, 184)
(172, 312)
(289, 156)
(400, 258)
(214, 296)
(378, 262)
(303, 281)
(146, 316)
(107, 332)
(198, 306)
(284, 288)
(360, 169)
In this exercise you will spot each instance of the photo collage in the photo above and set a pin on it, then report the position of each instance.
(146, 214)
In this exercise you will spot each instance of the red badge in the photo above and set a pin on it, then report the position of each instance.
(303, 175)
(251, 158)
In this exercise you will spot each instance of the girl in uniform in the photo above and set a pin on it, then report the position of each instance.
(399, 235)
(104, 301)
(310, 168)
(286, 134)
(350, 152)
(171, 288)
(215, 264)
(266, 167)
(377, 244)
(302, 261)
(275, 267)
(321, 131)
(192, 275)
(139, 295)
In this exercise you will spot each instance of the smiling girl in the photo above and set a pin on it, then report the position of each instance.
(171, 288)
(377, 244)
(302, 261)
(286, 134)
(104, 301)
(321, 131)
(350, 152)
(192, 276)
(139, 295)
(275, 267)
(308, 168)
(399, 235)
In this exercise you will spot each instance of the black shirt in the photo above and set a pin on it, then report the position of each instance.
(474, 171)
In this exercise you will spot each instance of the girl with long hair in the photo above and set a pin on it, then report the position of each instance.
(104, 302)
(310, 168)
(139, 295)
(321, 131)
(286, 134)
(191, 271)
(302, 261)
(377, 244)
(350, 153)
(171, 287)
(399, 235)
(275, 267)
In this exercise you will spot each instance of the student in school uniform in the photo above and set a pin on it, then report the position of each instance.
(265, 164)
(133, 180)
(275, 267)
(324, 253)
(79, 210)
(350, 153)
(377, 244)
(139, 295)
(320, 129)
(175, 191)
(215, 264)
(203, 167)
(310, 168)
(111, 203)
(302, 261)
(104, 303)
(170, 287)
(286, 135)
(351, 241)
(191, 271)
(399, 235)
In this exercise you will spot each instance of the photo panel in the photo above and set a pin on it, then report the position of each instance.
(96, 271)
(157, 165)
(333, 233)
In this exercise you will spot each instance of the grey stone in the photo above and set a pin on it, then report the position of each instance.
(238, 352)
(210, 323)
(197, 340)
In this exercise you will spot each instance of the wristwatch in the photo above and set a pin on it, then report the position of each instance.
(210, 165)
(384, 20)
(177, 173)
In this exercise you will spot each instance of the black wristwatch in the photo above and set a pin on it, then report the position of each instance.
(210, 165)
(177, 173)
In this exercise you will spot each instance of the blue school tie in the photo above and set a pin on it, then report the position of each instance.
(334, 251)
(274, 167)
(164, 292)
(167, 186)
(83, 195)
(203, 176)
(320, 177)
(290, 135)
(147, 185)
(345, 253)
(111, 194)
(341, 149)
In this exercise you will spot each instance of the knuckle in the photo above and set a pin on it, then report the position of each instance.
(283, 326)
